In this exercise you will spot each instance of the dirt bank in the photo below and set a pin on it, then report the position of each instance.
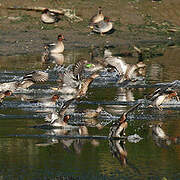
(135, 22)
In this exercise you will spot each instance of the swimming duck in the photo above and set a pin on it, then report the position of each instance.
(103, 26)
(27, 81)
(162, 95)
(98, 17)
(49, 17)
(56, 47)
(119, 127)
(4, 94)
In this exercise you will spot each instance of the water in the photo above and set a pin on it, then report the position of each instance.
(32, 153)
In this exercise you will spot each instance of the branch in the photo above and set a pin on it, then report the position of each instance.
(66, 12)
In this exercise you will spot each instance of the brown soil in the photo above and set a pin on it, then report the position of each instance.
(135, 22)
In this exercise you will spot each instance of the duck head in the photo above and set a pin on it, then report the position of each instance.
(61, 37)
(66, 118)
(8, 93)
(45, 11)
(55, 97)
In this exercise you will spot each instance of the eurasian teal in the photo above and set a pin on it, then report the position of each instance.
(97, 17)
(49, 17)
(60, 119)
(92, 113)
(4, 94)
(162, 95)
(103, 26)
(25, 82)
(126, 71)
(57, 47)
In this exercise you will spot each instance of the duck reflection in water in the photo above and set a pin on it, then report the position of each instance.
(160, 138)
(47, 57)
(118, 150)
(118, 127)
(124, 95)
(69, 143)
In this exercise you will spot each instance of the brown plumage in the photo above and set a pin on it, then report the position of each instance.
(85, 85)
(162, 95)
(4, 94)
(97, 17)
(91, 113)
(118, 128)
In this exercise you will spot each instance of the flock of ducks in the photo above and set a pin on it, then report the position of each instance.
(76, 79)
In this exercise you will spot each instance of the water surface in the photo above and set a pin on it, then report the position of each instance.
(25, 154)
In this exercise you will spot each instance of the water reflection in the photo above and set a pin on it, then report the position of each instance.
(118, 150)
(122, 94)
(160, 138)
(53, 156)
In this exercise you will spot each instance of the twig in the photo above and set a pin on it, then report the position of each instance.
(66, 12)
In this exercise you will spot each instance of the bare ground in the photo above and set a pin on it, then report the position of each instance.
(135, 22)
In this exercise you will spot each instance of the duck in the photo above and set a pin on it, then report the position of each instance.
(103, 26)
(25, 82)
(46, 102)
(71, 81)
(4, 94)
(118, 128)
(162, 95)
(126, 71)
(56, 47)
(49, 17)
(60, 119)
(97, 17)
(130, 73)
(92, 113)
(83, 88)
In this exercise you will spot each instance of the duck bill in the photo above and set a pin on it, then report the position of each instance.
(91, 27)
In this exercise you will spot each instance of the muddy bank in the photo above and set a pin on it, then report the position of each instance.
(135, 22)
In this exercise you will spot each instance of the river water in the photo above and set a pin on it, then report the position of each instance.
(32, 153)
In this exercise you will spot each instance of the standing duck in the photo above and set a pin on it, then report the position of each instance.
(103, 26)
(97, 18)
(49, 17)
